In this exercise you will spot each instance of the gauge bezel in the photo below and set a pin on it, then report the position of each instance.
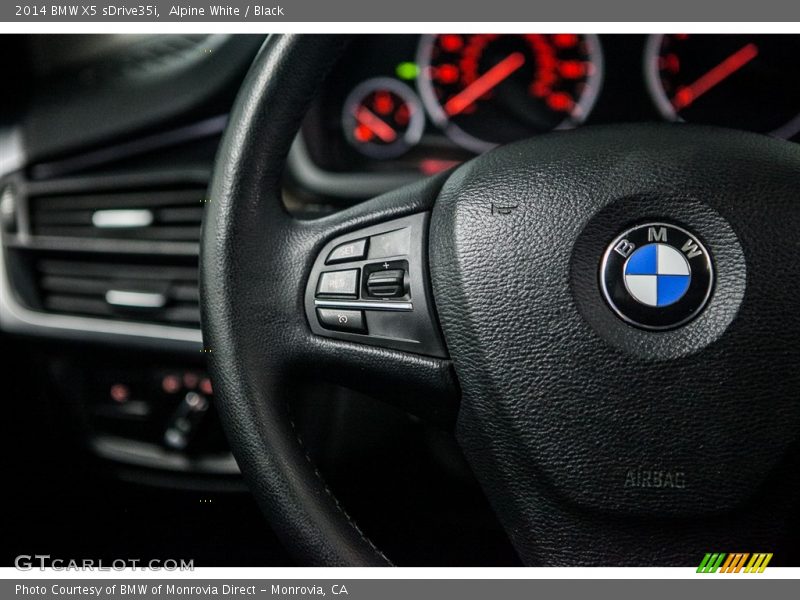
(658, 95)
(427, 94)
(652, 77)
(416, 123)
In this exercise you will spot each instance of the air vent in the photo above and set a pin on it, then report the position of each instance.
(125, 290)
(154, 215)
(118, 250)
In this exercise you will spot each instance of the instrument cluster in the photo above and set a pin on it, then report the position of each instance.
(424, 103)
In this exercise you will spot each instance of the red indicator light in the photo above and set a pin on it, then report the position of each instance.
(171, 384)
(190, 380)
(205, 386)
(120, 393)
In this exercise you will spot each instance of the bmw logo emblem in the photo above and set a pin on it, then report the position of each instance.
(656, 276)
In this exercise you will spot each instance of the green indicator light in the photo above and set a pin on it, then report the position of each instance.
(407, 70)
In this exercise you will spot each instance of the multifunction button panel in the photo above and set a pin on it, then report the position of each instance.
(371, 286)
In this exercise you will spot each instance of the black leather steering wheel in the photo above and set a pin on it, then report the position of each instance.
(598, 442)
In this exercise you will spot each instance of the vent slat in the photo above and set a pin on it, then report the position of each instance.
(176, 215)
(186, 315)
(153, 232)
(179, 215)
(80, 287)
(178, 315)
(74, 285)
(185, 293)
(62, 217)
(122, 271)
(146, 199)
(78, 305)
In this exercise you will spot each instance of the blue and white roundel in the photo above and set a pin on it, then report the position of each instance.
(657, 275)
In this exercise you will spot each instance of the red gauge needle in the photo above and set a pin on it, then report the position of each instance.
(484, 83)
(375, 124)
(688, 94)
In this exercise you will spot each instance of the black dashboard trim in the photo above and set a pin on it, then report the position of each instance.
(346, 186)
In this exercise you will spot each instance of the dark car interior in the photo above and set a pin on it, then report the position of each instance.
(113, 439)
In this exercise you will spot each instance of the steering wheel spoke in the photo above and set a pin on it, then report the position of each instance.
(370, 316)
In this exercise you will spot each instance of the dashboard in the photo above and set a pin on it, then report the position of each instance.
(415, 105)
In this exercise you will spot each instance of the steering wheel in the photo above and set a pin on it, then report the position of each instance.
(608, 422)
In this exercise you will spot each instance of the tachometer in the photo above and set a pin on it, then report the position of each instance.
(741, 81)
(485, 89)
(382, 118)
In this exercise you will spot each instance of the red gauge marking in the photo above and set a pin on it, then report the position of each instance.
(451, 42)
(493, 77)
(473, 50)
(371, 121)
(560, 101)
(546, 75)
(669, 62)
(572, 69)
(565, 40)
(402, 115)
(447, 73)
(383, 103)
(686, 95)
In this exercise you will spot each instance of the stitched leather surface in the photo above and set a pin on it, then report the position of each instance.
(561, 399)
(255, 260)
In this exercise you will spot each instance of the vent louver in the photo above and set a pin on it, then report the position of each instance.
(118, 248)
(131, 291)
(155, 215)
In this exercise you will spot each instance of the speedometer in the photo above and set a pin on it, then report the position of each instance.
(485, 89)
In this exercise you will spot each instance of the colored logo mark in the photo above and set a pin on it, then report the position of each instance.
(734, 563)
(657, 275)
